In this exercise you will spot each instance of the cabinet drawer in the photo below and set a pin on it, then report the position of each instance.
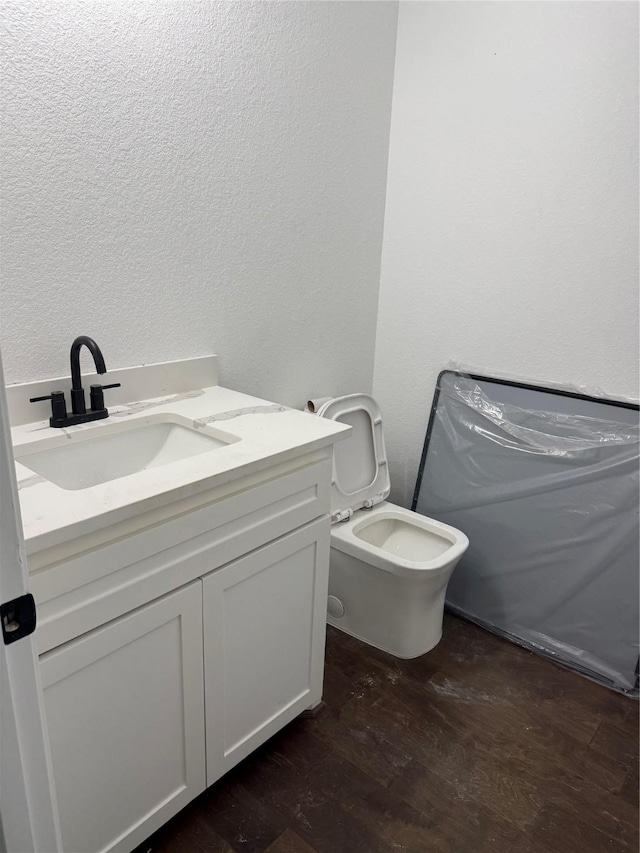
(83, 593)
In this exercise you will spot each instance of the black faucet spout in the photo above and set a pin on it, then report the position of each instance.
(94, 349)
(77, 392)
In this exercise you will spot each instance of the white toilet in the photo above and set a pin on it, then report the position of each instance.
(389, 566)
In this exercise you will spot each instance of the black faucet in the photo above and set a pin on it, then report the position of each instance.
(80, 415)
(77, 391)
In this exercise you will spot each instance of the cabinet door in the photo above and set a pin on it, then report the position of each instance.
(264, 632)
(125, 711)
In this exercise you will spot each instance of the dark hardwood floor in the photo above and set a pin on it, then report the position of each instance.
(477, 747)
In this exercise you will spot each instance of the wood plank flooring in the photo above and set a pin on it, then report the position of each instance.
(477, 747)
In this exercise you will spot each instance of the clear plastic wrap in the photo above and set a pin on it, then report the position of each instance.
(545, 485)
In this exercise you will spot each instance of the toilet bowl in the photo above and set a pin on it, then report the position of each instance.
(389, 567)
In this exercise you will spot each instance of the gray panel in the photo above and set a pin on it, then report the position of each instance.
(546, 488)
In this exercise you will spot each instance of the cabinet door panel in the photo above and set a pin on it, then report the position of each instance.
(124, 708)
(264, 629)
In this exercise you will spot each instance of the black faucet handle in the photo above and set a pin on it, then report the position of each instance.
(58, 404)
(97, 397)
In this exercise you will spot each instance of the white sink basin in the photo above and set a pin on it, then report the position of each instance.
(87, 457)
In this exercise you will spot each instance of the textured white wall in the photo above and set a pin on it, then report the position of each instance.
(511, 228)
(196, 177)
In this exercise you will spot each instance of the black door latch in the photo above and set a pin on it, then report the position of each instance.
(18, 618)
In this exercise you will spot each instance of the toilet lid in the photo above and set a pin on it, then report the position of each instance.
(360, 471)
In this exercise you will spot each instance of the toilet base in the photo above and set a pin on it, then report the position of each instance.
(399, 614)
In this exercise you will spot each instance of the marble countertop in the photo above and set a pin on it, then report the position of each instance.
(269, 434)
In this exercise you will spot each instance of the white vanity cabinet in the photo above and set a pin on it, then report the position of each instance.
(169, 653)
(125, 712)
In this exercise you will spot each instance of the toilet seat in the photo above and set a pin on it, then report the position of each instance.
(360, 471)
(399, 541)
(364, 524)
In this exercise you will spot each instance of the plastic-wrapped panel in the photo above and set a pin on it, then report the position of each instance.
(545, 485)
